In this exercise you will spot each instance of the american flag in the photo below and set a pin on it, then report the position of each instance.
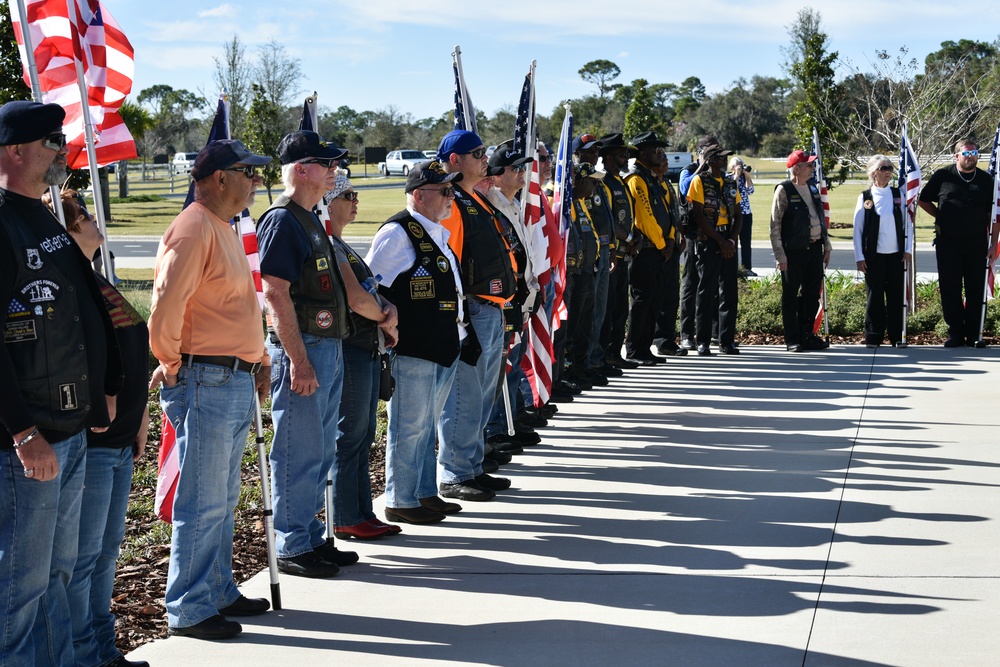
(168, 464)
(992, 170)
(563, 209)
(909, 186)
(92, 37)
(465, 112)
(825, 199)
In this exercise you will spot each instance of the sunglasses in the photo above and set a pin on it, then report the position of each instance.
(477, 154)
(886, 167)
(350, 195)
(519, 169)
(970, 153)
(446, 192)
(249, 170)
(325, 162)
(55, 141)
(545, 158)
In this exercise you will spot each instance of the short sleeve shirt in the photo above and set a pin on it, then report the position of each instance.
(696, 193)
(284, 246)
(964, 206)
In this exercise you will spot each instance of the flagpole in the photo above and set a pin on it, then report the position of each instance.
(36, 92)
(531, 143)
(903, 175)
(95, 180)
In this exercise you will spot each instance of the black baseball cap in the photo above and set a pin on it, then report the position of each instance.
(303, 144)
(505, 156)
(429, 172)
(223, 153)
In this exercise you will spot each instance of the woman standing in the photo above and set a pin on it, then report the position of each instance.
(375, 328)
(110, 456)
(741, 174)
(883, 240)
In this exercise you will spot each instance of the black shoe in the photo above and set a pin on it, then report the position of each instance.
(567, 387)
(490, 465)
(704, 351)
(548, 410)
(560, 397)
(795, 347)
(729, 349)
(955, 341)
(422, 514)
(525, 438)
(609, 371)
(435, 504)
(814, 342)
(623, 363)
(467, 490)
(308, 565)
(216, 627)
(532, 420)
(329, 552)
(122, 661)
(582, 383)
(501, 442)
(245, 606)
(493, 483)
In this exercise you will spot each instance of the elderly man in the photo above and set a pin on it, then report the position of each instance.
(205, 329)
(960, 197)
(58, 361)
(420, 275)
(308, 317)
(490, 282)
(801, 250)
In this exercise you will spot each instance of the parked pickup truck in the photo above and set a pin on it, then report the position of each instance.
(400, 162)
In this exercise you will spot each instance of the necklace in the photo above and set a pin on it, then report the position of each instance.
(967, 180)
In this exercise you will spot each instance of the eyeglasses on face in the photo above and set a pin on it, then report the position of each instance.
(886, 167)
(325, 162)
(55, 141)
(972, 153)
(519, 169)
(477, 154)
(544, 158)
(348, 195)
(248, 170)
(447, 191)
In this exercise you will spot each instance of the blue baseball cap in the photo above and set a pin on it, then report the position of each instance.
(460, 142)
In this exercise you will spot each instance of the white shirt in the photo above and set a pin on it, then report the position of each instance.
(887, 242)
(512, 210)
(391, 253)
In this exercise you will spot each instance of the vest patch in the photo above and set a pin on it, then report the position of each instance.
(322, 264)
(40, 291)
(34, 259)
(324, 319)
(326, 282)
(443, 264)
(19, 331)
(496, 286)
(447, 305)
(17, 309)
(426, 247)
(869, 203)
(422, 288)
(67, 396)
(415, 229)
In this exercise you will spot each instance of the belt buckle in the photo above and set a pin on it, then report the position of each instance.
(254, 368)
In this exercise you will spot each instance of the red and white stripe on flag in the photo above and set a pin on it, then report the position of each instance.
(168, 473)
(107, 59)
(249, 235)
(537, 362)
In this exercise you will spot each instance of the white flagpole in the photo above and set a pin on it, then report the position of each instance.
(904, 178)
(36, 92)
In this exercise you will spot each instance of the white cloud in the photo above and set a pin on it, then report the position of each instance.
(225, 10)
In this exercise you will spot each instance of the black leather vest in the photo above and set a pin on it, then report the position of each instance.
(486, 267)
(365, 330)
(664, 217)
(319, 295)
(717, 196)
(588, 235)
(795, 222)
(426, 298)
(599, 206)
(869, 235)
(44, 338)
(621, 209)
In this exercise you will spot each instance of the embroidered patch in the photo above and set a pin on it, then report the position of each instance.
(422, 288)
(426, 247)
(18, 309)
(447, 305)
(325, 282)
(869, 203)
(496, 286)
(443, 264)
(324, 319)
(20, 331)
(67, 396)
(415, 229)
(322, 264)
(34, 259)
(40, 291)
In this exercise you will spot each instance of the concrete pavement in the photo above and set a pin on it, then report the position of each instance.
(827, 508)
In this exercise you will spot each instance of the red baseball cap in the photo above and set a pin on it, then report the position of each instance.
(798, 157)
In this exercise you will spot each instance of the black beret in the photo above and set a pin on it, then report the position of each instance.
(22, 122)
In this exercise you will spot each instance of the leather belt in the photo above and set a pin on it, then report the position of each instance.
(234, 363)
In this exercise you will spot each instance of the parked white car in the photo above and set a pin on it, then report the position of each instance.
(400, 162)
(183, 163)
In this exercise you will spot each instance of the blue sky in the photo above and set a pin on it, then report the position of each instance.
(373, 53)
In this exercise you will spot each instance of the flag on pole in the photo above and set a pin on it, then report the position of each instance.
(465, 112)
(909, 187)
(562, 208)
(310, 119)
(994, 172)
(168, 464)
(824, 197)
(92, 37)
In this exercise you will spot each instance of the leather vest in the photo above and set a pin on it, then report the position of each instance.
(365, 330)
(44, 338)
(869, 235)
(486, 266)
(588, 235)
(599, 206)
(657, 200)
(574, 248)
(426, 298)
(319, 295)
(717, 196)
(621, 210)
(795, 222)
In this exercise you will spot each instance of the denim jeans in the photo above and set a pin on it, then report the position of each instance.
(595, 359)
(352, 484)
(470, 401)
(305, 443)
(38, 540)
(102, 527)
(422, 388)
(211, 408)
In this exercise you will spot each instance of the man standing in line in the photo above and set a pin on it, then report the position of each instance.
(715, 210)
(488, 272)
(420, 276)
(665, 331)
(802, 249)
(307, 319)
(960, 199)
(689, 276)
(58, 361)
(205, 329)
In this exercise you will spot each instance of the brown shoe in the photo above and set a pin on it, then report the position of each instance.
(435, 504)
(413, 515)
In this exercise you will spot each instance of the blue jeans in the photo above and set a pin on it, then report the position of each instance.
(305, 443)
(358, 411)
(211, 408)
(35, 566)
(601, 281)
(468, 407)
(102, 527)
(422, 388)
